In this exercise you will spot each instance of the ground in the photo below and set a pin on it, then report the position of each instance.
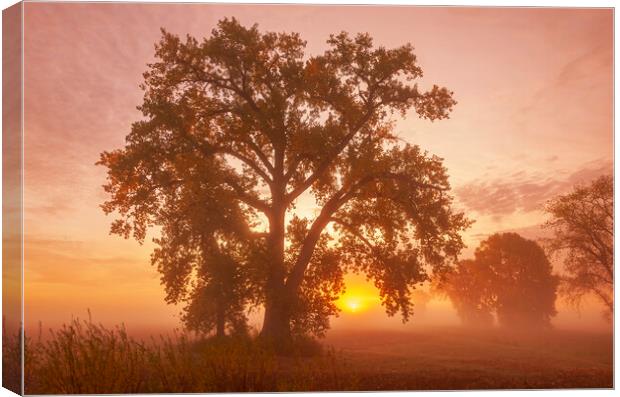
(87, 358)
(453, 358)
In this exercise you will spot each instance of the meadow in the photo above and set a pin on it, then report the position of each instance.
(85, 358)
(454, 358)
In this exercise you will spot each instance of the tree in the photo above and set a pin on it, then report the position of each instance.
(219, 297)
(202, 258)
(248, 114)
(583, 234)
(510, 277)
(469, 288)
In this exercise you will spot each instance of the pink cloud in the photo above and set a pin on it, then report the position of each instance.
(524, 191)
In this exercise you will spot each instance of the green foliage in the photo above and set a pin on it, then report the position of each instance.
(239, 125)
(511, 278)
(583, 226)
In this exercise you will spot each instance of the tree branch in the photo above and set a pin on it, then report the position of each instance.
(329, 160)
(248, 162)
(228, 85)
(250, 200)
(357, 234)
(347, 192)
(307, 249)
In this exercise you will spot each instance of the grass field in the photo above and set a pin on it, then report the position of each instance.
(453, 358)
(86, 358)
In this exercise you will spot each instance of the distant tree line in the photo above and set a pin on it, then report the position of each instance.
(510, 278)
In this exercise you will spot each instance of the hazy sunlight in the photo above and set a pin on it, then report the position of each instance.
(360, 296)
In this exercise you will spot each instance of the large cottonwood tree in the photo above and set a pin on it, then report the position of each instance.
(251, 118)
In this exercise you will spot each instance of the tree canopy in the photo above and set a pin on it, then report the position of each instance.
(510, 278)
(237, 127)
(583, 234)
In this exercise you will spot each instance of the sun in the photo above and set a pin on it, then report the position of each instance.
(352, 304)
(356, 303)
(359, 297)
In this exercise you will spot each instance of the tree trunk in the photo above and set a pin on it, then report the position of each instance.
(277, 322)
(221, 323)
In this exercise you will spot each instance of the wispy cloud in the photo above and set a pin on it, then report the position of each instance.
(524, 191)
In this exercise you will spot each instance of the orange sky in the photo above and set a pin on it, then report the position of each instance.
(534, 117)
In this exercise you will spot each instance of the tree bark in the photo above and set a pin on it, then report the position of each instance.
(277, 321)
(221, 323)
(276, 324)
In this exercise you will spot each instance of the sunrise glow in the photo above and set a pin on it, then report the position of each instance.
(74, 264)
(360, 296)
(352, 304)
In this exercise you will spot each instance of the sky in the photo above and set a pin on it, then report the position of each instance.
(534, 118)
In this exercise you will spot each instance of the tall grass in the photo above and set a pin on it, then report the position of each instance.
(11, 359)
(87, 358)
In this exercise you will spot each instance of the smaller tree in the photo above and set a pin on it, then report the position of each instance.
(583, 234)
(209, 275)
(509, 278)
(467, 286)
(207, 255)
(221, 295)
